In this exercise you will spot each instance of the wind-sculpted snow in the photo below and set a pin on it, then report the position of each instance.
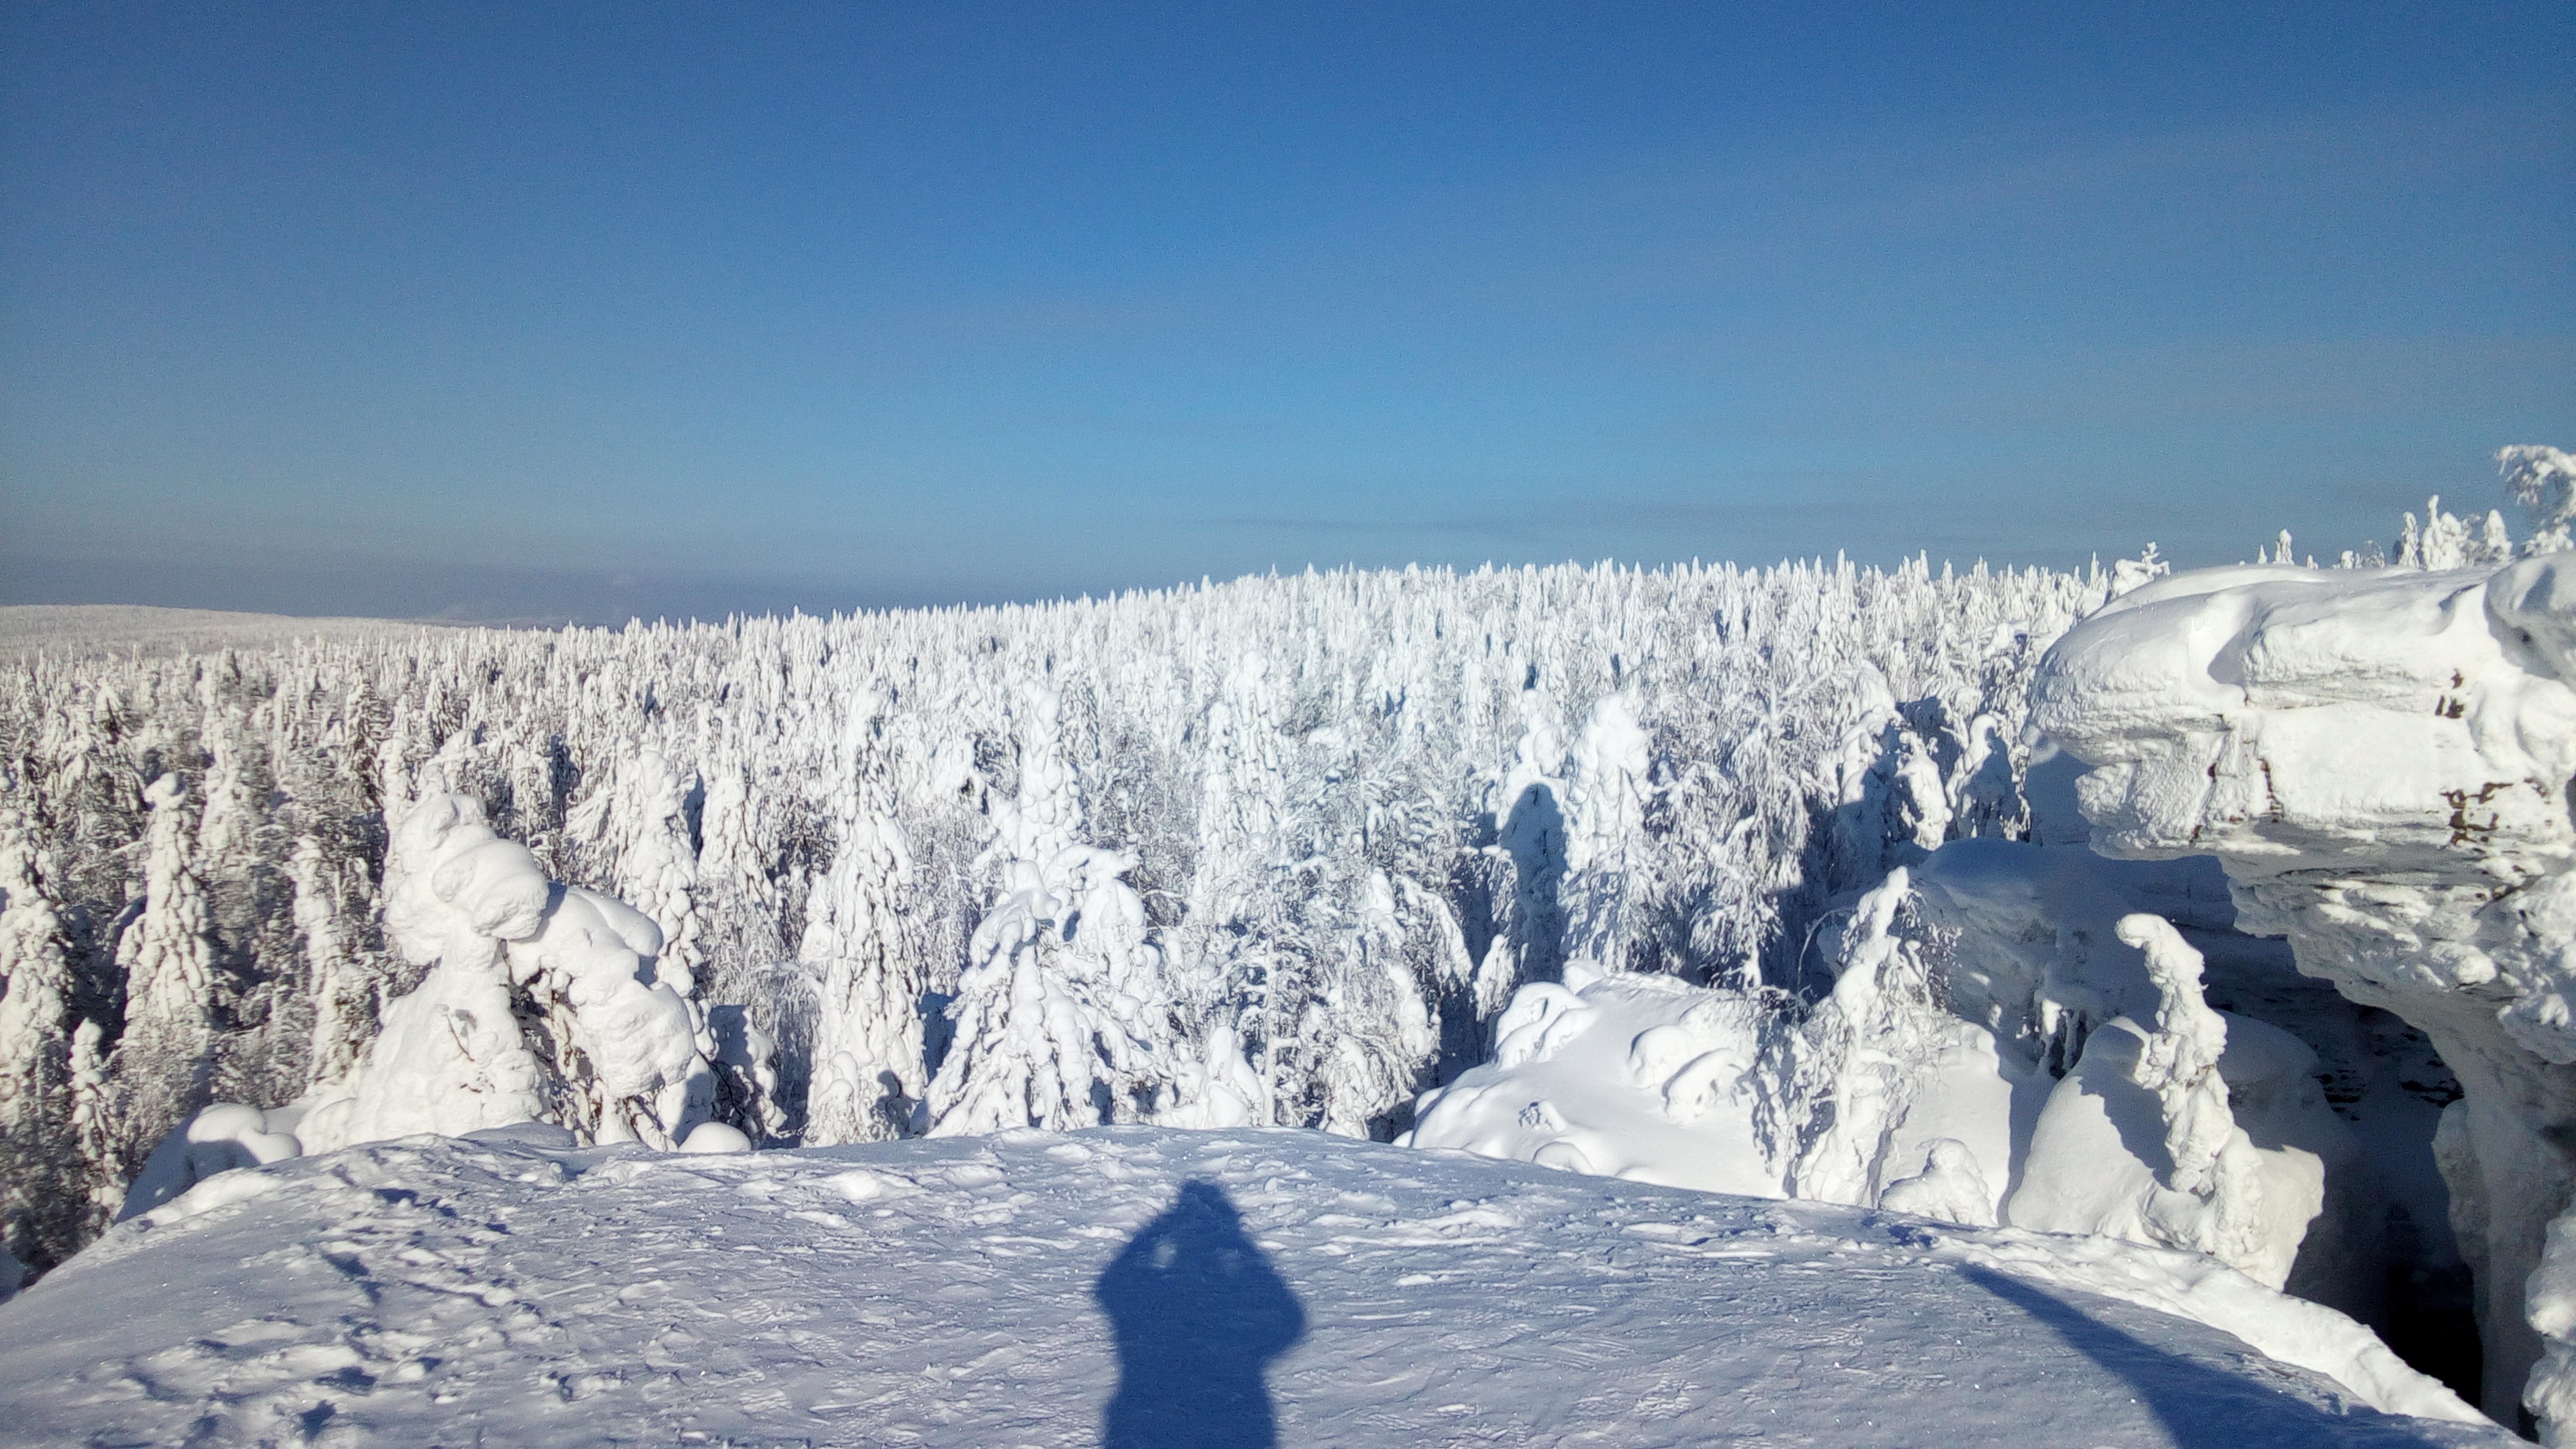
(2382, 761)
(1139, 1287)
(1275, 851)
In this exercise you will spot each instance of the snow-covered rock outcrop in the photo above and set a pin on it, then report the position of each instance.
(2381, 759)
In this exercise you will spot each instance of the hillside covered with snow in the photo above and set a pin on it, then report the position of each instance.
(73, 631)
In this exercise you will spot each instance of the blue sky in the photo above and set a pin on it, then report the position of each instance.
(527, 311)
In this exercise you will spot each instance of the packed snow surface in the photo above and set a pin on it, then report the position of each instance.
(1135, 1286)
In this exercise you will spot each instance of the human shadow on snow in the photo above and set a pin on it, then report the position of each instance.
(2200, 1406)
(1199, 1314)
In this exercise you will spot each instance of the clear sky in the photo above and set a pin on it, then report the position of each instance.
(546, 311)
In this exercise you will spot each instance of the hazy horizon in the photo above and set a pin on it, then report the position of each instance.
(577, 312)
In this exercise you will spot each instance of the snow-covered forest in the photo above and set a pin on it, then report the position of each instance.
(1276, 850)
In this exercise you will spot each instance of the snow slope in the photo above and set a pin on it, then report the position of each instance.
(1040, 1289)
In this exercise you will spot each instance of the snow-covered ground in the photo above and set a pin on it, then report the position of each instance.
(80, 631)
(1134, 1286)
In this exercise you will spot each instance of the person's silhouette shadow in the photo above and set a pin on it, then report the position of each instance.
(1199, 1314)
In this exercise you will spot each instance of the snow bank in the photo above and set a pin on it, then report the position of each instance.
(2381, 760)
(218, 1139)
(1640, 1077)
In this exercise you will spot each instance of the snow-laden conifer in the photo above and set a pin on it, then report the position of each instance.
(868, 1073)
(39, 1216)
(165, 1059)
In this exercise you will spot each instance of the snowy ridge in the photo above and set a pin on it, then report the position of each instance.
(1191, 1287)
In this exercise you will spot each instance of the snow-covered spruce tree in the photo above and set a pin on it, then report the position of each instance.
(228, 821)
(1372, 1009)
(95, 1132)
(1855, 1060)
(41, 1187)
(164, 1061)
(1606, 799)
(1059, 1019)
(2543, 480)
(1224, 952)
(1043, 1019)
(264, 999)
(868, 1069)
(753, 854)
(1351, 1029)
(637, 835)
(344, 1006)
